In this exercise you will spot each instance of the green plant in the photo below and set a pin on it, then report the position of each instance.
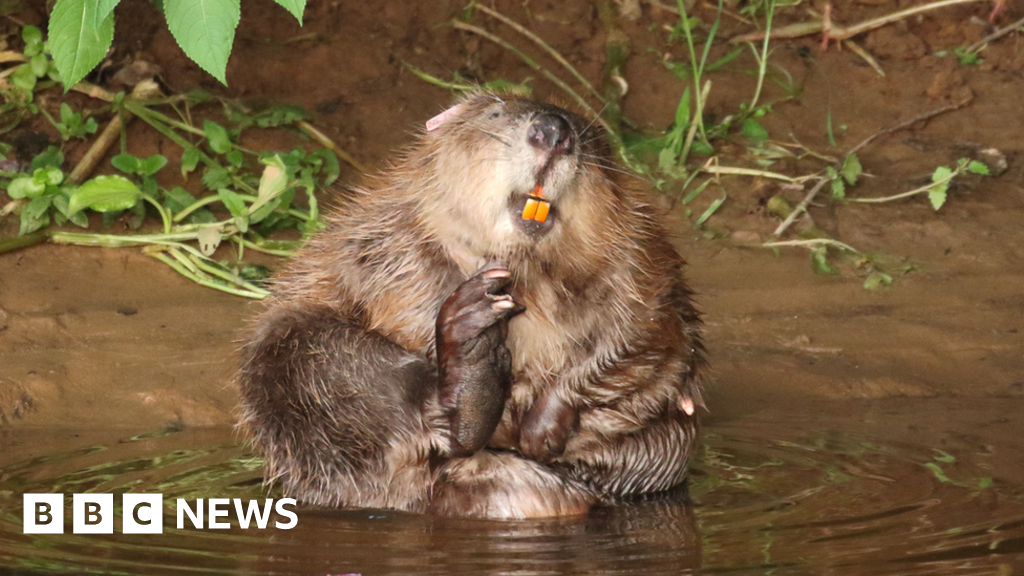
(252, 193)
(71, 124)
(936, 189)
(36, 71)
(81, 32)
(966, 56)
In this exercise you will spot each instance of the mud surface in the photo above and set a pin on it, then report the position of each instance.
(828, 399)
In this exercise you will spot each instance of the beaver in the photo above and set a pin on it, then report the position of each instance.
(440, 348)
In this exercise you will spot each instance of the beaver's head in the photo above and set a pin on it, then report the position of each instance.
(491, 154)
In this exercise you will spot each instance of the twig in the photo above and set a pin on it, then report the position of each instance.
(812, 242)
(902, 125)
(980, 44)
(856, 49)
(532, 64)
(98, 149)
(106, 139)
(330, 145)
(903, 195)
(845, 32)
(93, 91)
(749, 172)
(544, 45)
(800, 208)
(12, 56)
(11, 244)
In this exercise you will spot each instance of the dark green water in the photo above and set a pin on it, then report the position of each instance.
(923, 486)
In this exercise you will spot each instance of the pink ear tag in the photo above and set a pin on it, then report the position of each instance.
(437, 121)
(686, 405)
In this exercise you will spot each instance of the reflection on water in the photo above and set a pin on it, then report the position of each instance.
(896, 487)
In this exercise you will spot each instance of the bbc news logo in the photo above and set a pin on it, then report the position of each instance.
(144, 513)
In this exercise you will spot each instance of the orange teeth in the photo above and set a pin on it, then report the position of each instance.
(530, 210)
(536, 209)
(542, 212)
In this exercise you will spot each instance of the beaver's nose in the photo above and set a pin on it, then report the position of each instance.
(551, 132)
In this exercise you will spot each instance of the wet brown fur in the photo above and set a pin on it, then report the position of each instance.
(339, 377)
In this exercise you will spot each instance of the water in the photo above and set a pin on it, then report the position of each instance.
(922, 486)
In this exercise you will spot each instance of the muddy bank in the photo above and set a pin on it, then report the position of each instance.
(110, 338)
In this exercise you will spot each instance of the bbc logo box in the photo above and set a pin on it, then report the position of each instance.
(93, 514)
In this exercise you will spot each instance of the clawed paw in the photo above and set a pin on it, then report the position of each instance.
(475, 365)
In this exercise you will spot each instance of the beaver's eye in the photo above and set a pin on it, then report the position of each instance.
(494, 115)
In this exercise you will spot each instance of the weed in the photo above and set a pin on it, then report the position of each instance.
(252, 193)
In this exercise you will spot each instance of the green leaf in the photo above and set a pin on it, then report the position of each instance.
(79, 38)
(233, 202)
(937, 196)
(177, 199)
(936, 471)
(296, 7)
(820, 263)
(252, 272)
(36, 208)
(61, 203)
(25, 187)
(332, 168)
(104, 7)
(217, 137)
(67, 115)
(278, 115)
(31, 35)
(235, 158)
(876, 280)
(836, 183)
(90, 126)
(24, 78)
(40, 65)
(52, 156)
(105, 194)
(201, 216)
(263, 211)
(127, 163)
(666, 160)
(189, 160)
(941, 173)
(753, 130)
(978, 168)
(985, 482)
(216, 178)
(205, 30)
(838, 189)
(851, 169)
(682, 114)
(152, 165)
(29, 223)
(49, 175)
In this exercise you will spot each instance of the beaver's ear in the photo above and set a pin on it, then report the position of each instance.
(439, 120)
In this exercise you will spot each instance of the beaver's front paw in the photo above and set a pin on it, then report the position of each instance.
(547, 427)
(474, 364)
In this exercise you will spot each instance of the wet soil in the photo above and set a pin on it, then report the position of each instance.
(828, 400)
